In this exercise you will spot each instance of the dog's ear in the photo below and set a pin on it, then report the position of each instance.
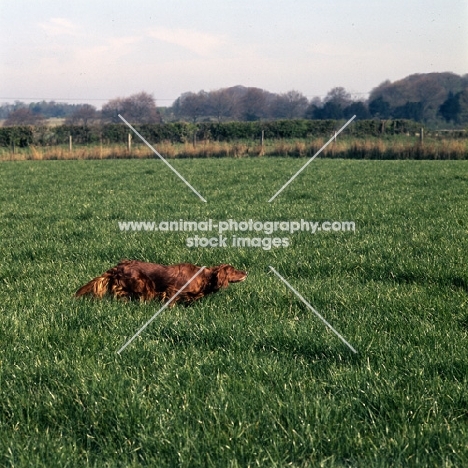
(221, 276)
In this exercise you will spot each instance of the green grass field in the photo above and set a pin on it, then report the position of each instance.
(248, 376)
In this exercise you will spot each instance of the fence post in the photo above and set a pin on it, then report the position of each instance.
(129, 143)
(262, 142)
(421, 136)
(70, 143)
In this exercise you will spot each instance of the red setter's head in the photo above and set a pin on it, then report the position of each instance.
(224, 274)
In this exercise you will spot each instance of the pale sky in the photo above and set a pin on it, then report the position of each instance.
(93, 51)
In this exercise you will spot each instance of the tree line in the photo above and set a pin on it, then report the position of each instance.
(432, 98)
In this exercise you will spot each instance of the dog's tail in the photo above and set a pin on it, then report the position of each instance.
(97, 287)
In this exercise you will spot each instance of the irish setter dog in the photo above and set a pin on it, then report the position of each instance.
(145, 281)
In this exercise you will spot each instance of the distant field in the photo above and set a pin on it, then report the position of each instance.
(249, 376)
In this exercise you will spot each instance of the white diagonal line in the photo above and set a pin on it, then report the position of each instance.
(157, 154)
(312, 309)
(311, 159)
(161, 309)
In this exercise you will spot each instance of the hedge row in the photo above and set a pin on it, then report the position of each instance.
(182, 132)
(16, 136)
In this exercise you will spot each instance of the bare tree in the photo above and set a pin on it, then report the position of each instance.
(339, 96)
(23, 116)
(111, 110)
(290, 105)
(222, 104)
(254, 104)
(139, 108)
(192, 105)
(84, 115)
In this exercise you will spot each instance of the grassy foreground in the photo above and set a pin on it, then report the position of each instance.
(249, 376)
